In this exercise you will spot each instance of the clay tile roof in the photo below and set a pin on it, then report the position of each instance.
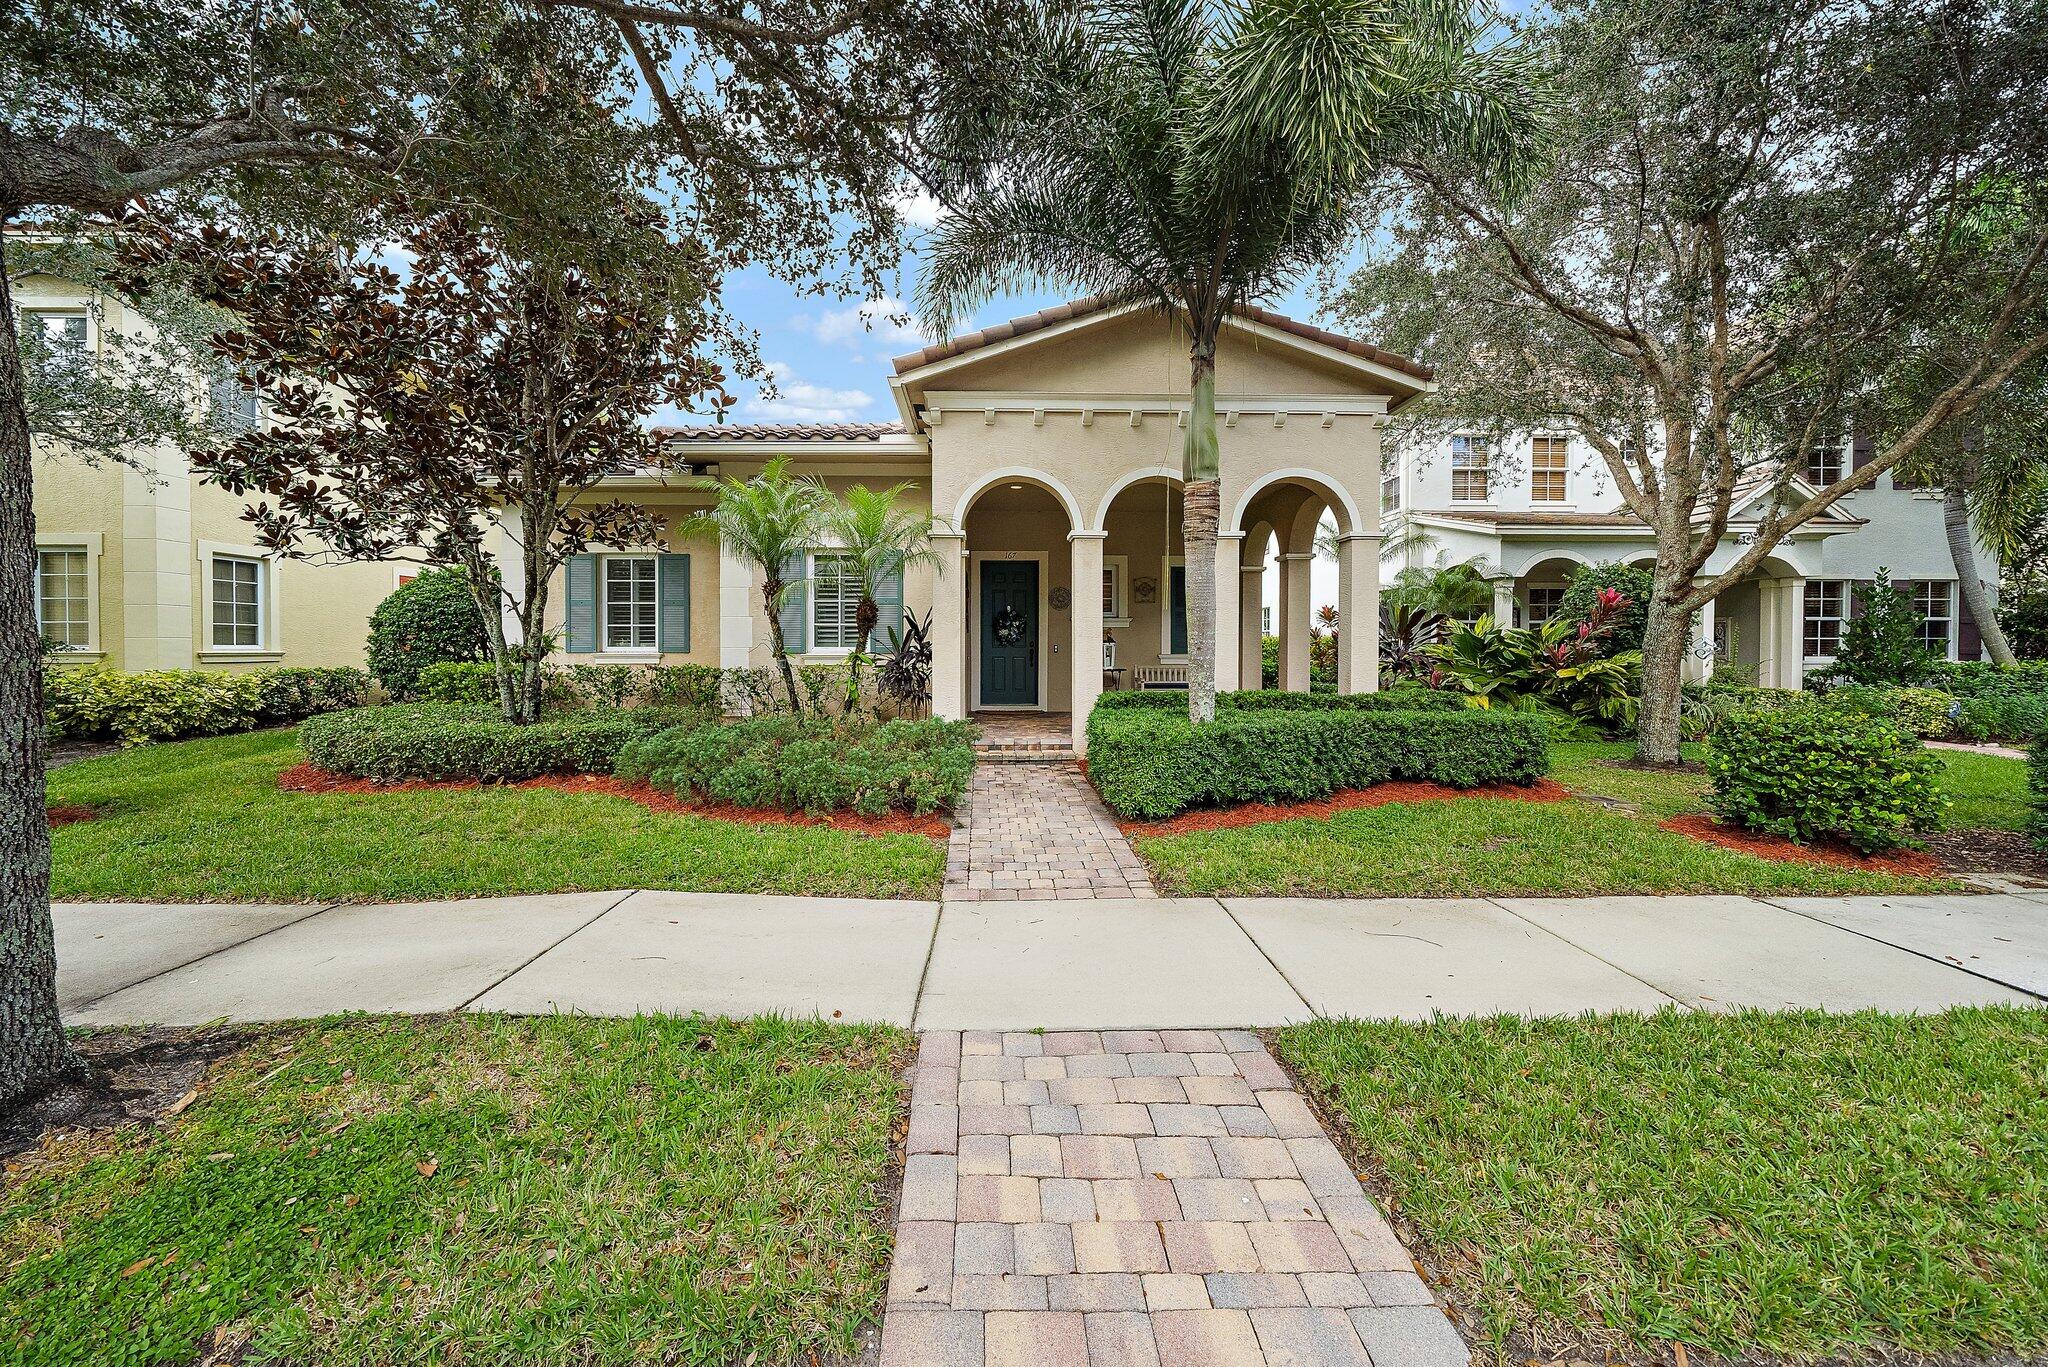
(1076, 308)
(783, 431)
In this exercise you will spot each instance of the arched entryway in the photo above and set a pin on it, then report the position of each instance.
(1019, 596)
(1276, 524)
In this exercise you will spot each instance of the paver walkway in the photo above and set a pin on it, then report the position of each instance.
(1157, 1197)
(1037, 830)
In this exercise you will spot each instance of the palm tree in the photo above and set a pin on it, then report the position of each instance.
(1193, 157)
(880, 536)
(766, 521)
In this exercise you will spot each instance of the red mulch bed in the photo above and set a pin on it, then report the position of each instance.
(310, 778)
(1698, 825)
(70, 813)
(1379, 795)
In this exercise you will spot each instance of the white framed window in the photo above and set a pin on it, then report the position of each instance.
(1116, 577)
(1935, 600)
(64, 595)
(1390, 491)
(237, 409)
(1547, 457)
(631, 611)
(237, 602)
(1545, 602)
(1827, 462)
(63, 329)
(835, 603)
(1471, 470)
(1266, 620)
(1827, 602)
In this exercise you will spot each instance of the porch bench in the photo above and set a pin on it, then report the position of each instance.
(1162, 676)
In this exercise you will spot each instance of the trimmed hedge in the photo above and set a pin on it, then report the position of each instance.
(1150, 764)
(2037, 791)
(1824, 773)
(1275, 700)
(174, 704)
(1922, 711)
(2015, 718)
(810, 764)
(439, 741)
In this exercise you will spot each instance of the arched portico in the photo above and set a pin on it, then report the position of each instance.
(1285, 508)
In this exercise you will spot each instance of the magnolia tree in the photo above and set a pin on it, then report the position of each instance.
(465, 415)
(1757, 211)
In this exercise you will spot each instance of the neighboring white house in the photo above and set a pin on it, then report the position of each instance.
(1534, 508)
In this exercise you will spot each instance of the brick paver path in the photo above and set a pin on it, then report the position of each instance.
(1138, 1197)
(1031, 831)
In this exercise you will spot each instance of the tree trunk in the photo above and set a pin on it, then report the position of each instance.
(1200, 496)
(1962, 552)
(1666, 636)
(771, 595)
(33, 1052)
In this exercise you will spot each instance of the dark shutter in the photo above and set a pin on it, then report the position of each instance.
(581, 598)
(889, 599)
(1862, 450)
(795, 614)
(672, 577)
(1969, 638)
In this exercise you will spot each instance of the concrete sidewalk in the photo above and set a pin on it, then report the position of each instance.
(1078, 965)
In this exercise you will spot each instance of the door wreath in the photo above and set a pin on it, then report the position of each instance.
(1009, 627)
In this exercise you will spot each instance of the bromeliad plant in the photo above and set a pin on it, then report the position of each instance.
(1560, 663)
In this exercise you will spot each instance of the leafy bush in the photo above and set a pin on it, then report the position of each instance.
(1704, 706)
(1820, 773)
(1153, 763)
(173, 704)
(1881, 644)
(1568, 666)
(1982, 679)
(1582, 599)
(458, 681)
(428, 621)
(1922, 711)
(439, 741)
(1273, 700)
(2024, 615)
(810, 764)
(682, 686)
(2037, 791)
(2013, 718)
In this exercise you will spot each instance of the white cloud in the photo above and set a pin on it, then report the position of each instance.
(919, 210)
(797, 401)
(885, 320)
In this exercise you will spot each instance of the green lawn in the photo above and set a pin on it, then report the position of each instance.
(1807, 1186)
(475, 1189)
(1484, 846)
(203, 821)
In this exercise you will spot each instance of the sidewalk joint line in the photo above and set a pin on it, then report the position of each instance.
(571, 934)
(1564, 939)
(1299, 995)
(931, 947)
(1916, 953)
(319, 909)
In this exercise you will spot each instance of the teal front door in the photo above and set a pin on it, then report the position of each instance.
(1009, 633)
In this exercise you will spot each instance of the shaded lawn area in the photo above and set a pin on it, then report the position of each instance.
(1802, 1185)
(492, 1189)
(1491, 847)
(203, 821)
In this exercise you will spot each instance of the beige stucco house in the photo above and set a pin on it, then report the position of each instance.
(141, 566)
(1048, 449)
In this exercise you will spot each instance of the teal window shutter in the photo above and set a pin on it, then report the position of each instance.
(795, 614)
(581, 636)
(672, 575)
(1177, 610)
(889, 599)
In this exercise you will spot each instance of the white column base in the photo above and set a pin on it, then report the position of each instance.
(949, 626)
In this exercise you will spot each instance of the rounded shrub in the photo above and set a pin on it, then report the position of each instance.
(1820, 773)
(428, 621)
(810, 764)
(1922, 711)
(1632, 582)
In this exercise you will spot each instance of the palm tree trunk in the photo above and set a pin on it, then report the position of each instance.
(1200, 495)
(33, 1051)
(1962, 551)
(771, 594)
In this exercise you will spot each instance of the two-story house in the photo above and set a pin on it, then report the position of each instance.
(1533, 508)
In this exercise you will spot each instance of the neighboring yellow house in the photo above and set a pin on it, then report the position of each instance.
(1049, 448)
(147, 568)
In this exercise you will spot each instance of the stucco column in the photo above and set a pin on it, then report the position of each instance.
(1792, 632)
(737, 594)
(1503, 602)
(949, 625)
(1229, 606)
(1084, 552)
(1294, 620)
(1251, 635)
(1358, 614)
(512, 569)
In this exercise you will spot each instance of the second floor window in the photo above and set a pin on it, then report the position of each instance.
(1390, 492)
(237, 409)
(1471, 470)
(1827, 462)
(1546, 470)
